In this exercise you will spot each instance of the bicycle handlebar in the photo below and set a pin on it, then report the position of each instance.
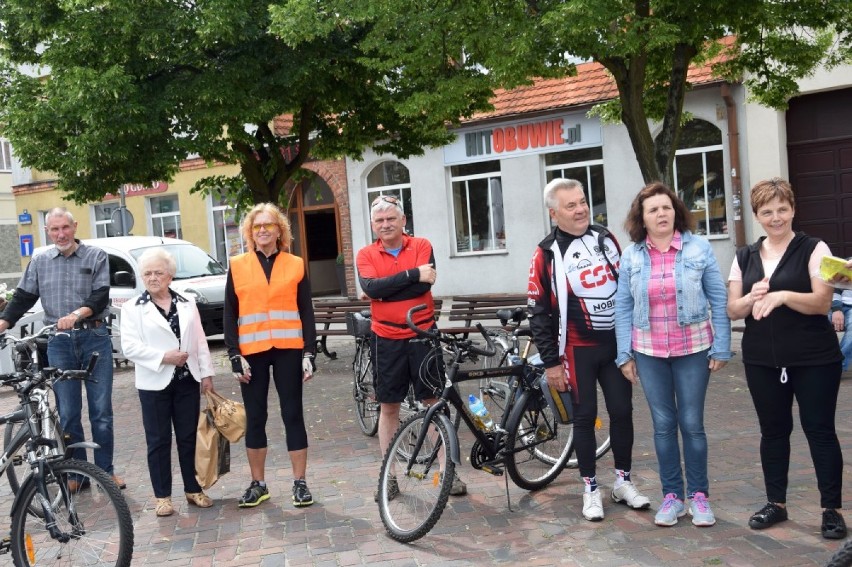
(438, 336)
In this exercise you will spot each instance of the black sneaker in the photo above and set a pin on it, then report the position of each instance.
(301, 494)
(255, 494)
(393, 490)
(833, 526)
(767, 516)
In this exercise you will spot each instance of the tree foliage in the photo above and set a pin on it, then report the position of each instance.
(134, 87)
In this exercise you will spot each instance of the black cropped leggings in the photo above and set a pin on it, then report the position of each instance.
(286, 371)
(592, 365)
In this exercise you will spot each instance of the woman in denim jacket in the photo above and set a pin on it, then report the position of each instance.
(669, 290)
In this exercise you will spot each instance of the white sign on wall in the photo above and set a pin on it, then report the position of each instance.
(523, 137)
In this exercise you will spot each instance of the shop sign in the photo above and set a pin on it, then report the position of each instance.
(512, 139)
(137, 189)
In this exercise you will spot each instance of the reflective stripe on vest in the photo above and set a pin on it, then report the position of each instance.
(272, 315)
(268, 335)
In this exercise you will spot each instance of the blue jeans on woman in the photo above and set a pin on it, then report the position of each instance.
(72, 350)
(675, 389)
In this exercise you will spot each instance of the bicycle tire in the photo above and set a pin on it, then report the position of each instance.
(842, 557)
(602, 440)
(537, 445)
(423, 493)
(364, 391)
(95, 517)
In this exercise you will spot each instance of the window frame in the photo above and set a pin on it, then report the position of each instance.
(157, 218)
(490, 177)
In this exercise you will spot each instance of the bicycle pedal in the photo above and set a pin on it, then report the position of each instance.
(496, 471)
(18, 460)
(5, 545)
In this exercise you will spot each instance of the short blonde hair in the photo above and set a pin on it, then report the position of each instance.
(152, 255)
(285, 237)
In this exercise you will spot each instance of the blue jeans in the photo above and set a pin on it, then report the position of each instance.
(675, 389)
(846, 340)
(72, 351)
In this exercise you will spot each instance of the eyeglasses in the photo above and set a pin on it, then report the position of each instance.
(392, 200)
(150, 275)
(267, 226)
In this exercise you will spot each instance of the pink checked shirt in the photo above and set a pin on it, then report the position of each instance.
(666, 338)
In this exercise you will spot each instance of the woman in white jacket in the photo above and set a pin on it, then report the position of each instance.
(161, 334)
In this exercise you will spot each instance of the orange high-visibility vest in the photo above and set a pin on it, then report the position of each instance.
(268, 314)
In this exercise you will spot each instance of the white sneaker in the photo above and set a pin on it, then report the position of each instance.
(593, 506)
(628, 494)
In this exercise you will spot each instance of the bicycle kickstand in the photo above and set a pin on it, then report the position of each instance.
(508, 498)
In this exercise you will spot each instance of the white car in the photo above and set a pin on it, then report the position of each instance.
(198, 275)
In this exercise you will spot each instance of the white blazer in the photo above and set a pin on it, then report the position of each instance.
(146, 336)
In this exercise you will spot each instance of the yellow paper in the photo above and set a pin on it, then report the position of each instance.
(830, 267)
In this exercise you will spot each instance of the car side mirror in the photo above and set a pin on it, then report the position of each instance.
(124, 279)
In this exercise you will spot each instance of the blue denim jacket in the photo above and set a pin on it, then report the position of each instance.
(701, 293)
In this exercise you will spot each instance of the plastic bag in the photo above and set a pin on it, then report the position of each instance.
(212, 451)
(228, 415)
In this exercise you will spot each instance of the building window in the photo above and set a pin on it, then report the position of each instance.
(5, 156)
(391, 178)
(165, 217)
(227, 237)
(698, 177)
(587, 167)
(478, 207)
(103, 219)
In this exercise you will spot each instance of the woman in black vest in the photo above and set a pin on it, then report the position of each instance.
(789, 350)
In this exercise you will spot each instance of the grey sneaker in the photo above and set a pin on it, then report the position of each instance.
(254, 495)
(671, 509)
(459, 488)
(301, 494)
(699, 509)
(393, 490)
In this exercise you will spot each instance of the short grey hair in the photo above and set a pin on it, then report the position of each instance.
(152, 255)
(58, 212)
(558, 184)
(383, 203)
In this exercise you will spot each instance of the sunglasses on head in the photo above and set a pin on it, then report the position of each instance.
(392, 200)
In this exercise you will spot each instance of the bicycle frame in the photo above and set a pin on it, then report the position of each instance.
(490, 441)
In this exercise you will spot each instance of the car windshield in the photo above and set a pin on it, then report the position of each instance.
(192, 262)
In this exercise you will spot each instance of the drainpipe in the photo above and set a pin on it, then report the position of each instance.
(736, 184)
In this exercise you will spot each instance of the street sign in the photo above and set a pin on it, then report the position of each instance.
(25, 218)
(26, 245)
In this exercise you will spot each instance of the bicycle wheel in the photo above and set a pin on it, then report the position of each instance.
(842, 557)
(94, 519)
(410, 506)
(537, 446)
(602, 441)
(364, 392)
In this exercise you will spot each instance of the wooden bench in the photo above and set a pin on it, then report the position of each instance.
(467, 310)
(331, 319)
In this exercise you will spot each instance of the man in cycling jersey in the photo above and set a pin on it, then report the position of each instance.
(572, 283)
(397, 272)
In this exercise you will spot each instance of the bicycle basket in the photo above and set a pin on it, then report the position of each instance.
(357, 325)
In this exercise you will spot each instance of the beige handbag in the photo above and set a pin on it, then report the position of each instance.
(228, 415)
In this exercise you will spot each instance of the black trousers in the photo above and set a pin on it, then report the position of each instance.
(177, 405)
(815, 389)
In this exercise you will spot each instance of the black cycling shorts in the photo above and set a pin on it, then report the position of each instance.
(397, 363)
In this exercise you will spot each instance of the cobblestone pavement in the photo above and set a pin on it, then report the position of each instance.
(544, 528)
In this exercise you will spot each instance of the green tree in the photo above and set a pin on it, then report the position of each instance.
(135, 87)
(646, 45)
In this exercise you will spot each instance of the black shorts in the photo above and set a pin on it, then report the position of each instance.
(397, 363)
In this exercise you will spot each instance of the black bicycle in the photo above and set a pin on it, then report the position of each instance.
(65, 512)
(418, 468)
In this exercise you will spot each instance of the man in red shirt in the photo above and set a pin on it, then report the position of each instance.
(397, 272)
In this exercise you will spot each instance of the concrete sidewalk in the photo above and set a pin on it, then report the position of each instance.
(544, 528)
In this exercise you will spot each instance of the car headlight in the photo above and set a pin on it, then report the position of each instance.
(197, 295)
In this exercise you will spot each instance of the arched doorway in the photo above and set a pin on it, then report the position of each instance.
(316, 234)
